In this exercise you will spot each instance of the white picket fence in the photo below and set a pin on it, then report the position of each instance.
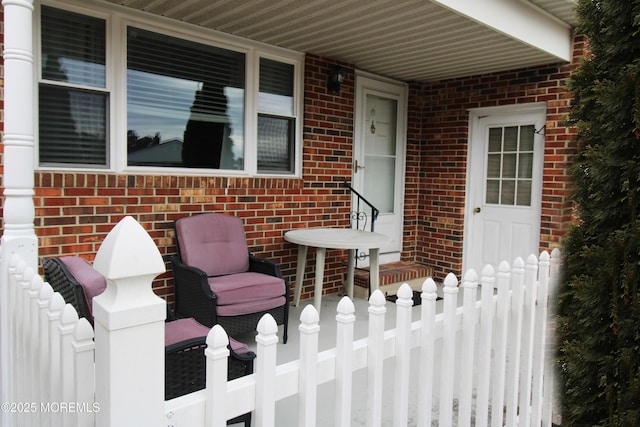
(480, 364)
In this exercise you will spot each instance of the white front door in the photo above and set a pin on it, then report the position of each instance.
(379, 157)
(504, 182)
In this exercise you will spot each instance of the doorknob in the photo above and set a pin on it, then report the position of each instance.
(477, 210)
(357, 167)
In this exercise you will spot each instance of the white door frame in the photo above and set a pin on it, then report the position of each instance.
(369, 83)
(475, 137)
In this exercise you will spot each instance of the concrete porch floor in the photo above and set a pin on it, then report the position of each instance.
(286, 410)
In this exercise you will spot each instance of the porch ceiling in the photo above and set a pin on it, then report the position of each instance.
(408, 40)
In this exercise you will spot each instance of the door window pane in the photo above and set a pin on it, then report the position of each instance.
(509, 172)
(524, 192)
(526, 138)
(510, 142)
(380, 152)
(525, 166)
(509, 165)
(507, 192)
(377, 185)
(495, 140)
(493, 191)
(493, 167)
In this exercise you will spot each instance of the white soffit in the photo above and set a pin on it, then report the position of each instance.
(519, 20)
(420, 40)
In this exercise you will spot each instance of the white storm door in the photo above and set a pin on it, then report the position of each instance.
(505, 188)
(379, 157)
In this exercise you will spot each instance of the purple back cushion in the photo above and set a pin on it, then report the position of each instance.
(92, 282)
(214, 243)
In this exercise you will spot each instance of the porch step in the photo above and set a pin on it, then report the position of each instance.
(392, 276)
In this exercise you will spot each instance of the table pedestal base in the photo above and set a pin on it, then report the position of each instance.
(321, 253)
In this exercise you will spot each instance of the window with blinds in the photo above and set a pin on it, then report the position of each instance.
(186, 101)
(73, 101)
(276, 121)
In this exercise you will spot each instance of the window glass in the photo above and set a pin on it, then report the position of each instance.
(73, 116)
(275, 143)
(276, 124)
(179, 114)
(73, 48)
(185, 101)
(276, 87)
(509, 174)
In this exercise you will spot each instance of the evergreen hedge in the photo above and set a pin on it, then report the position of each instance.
(599, 305)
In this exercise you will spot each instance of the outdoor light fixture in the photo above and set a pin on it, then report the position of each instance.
(337, 75)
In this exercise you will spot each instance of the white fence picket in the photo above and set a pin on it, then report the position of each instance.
(527, 336)
(515, 343)
(501, 339)
(402, 370)
(56, 305)
(427, 350)
(44, 298)
(67, 325)
(84, 373)
(216, 384)
(467, 350)
(375, 358)
(447, 369)
(308, 376)
(549, 382)
(539, 340)
(266, 372)
(33, 358)
(494, 349)
(345, 320)
(485, 340)
(23, 326)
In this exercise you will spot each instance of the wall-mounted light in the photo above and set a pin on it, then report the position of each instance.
(337, 75)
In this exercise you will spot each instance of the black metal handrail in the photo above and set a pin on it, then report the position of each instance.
(357, 215)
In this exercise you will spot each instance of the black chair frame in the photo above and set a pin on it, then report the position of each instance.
(185, 362)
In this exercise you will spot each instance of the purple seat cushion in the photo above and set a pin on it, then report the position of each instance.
(185, 329)
(246, 287)
(92, 282)
(250, 307)
(213, 242)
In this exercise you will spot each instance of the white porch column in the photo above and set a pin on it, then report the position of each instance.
(129, 330)
(19, 236)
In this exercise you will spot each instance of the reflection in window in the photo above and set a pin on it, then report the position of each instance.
(178, 114)
(185, 101)
(72, 102)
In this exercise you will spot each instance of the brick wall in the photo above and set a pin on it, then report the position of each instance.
(443, 143)
(75, 210)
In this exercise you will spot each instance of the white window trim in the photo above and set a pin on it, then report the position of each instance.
(117, 18)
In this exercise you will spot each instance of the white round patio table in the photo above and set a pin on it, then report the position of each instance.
(334, 238)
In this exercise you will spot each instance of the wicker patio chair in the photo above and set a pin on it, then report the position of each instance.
(217, 280)
(185, 339)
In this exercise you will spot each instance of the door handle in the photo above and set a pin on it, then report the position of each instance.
(357, 167)
(477, 210)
